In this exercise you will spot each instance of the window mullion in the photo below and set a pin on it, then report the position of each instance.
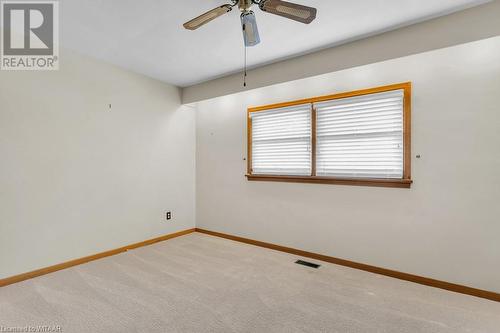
(313, 140)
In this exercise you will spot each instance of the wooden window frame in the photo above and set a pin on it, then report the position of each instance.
(405, 182)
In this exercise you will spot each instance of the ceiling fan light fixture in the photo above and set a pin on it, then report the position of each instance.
(249, 27)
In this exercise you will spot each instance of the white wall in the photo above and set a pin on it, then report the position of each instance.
(78, 178)
(445, 227)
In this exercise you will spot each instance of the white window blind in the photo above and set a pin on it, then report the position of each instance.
(361, 137)
(281, 141)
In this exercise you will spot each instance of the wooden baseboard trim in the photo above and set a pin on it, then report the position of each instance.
(75, 262)
(364, 267)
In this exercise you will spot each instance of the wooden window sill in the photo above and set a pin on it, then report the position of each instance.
(397, 183)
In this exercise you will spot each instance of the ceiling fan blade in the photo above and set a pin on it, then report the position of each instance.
(207, 17)
(289, 10)
(250, 30)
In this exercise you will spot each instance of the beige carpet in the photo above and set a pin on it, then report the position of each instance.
(199, 283)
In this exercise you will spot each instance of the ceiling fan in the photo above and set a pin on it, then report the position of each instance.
(251, 36)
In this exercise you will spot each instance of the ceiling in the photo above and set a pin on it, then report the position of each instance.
(147, 37)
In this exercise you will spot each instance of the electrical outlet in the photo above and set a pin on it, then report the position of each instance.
(169, 215)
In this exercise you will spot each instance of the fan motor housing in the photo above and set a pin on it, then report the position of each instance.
(245, 5)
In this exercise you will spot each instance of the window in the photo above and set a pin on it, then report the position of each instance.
(358, 138)
(281, 141)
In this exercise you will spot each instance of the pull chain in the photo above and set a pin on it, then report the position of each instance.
(245, 76)
(245, 68)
